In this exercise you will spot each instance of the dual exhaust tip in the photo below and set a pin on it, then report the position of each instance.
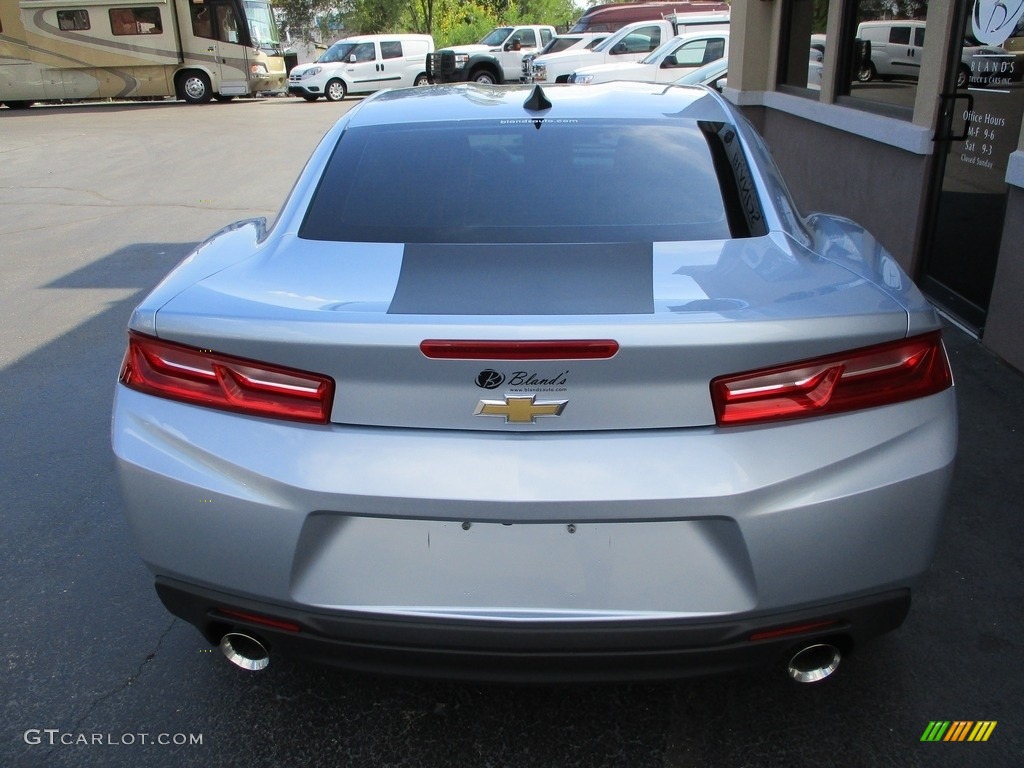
(814, 663)
(811, 664)
(245, 651)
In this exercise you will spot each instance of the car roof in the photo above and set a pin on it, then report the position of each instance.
(381, 36)
(470, 101)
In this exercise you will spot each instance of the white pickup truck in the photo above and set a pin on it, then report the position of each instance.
(496, 59)
(676, 57)
(631, 43)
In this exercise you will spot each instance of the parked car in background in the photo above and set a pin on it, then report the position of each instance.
(630, 43)
(712, 75)
(363, 64)
(986, 66)
(496, 59)
(816, 62)
(567, 42)
(896, 48)
(571, 42)
(818, 41)
(639, 418)
(676, 56)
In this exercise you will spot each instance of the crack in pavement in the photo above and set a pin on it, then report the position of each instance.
(110, 694)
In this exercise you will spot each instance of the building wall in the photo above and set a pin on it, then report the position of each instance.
(874, 169)
(1004, 330)
(832, 171)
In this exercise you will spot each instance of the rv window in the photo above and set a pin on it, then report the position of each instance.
(227, 24)
(71, 20)
(202, 25)
(135, 21)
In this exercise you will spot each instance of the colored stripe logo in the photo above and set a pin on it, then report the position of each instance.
(958, 730)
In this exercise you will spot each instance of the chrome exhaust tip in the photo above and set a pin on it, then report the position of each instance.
(244, 651)
(814, 663)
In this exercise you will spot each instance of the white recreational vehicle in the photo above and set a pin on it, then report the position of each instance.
(194, 50)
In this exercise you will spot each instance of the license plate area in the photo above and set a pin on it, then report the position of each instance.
(523, 570)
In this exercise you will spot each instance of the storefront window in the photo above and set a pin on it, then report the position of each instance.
(975, 151)
(884, 61)
(802, 54)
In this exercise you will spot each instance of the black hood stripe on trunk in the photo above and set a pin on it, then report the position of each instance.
(525, 279)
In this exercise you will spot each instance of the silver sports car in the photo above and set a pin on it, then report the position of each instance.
(538, 384)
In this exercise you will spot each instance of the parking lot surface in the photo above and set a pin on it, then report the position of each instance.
(96, 204)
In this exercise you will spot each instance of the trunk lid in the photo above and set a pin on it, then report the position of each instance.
(681, 314)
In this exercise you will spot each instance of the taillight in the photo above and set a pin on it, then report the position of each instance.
(862, 378)
(208, 378)
(458, 349)
(266, 621)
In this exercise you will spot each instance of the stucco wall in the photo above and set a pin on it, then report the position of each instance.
(1004, 328)
(880, 187)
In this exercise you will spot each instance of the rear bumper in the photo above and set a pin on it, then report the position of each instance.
(298, 90)
(452, 549)
(504, 651)
(441, 68)
(454, 76)
(270, 82)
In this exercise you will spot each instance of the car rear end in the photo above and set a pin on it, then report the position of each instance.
(481, 445)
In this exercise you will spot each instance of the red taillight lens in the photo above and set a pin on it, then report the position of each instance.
(220, 381)
(457, 349)
(795, 629)
(863, 378)
(266, 621)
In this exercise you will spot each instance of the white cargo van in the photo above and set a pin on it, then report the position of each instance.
(896, 48)
(363, 64)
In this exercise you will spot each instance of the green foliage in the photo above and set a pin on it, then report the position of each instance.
(372, 16)
(819, 19)
(451, 22)
(457, 22)
(306, 19)
(868, 10)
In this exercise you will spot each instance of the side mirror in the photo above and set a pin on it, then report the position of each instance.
(618, 48)
(351, 58)
(719, 84)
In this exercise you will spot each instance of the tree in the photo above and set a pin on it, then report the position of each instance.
(307, 19)
(372, 16)
(869, 10)
(466, 21)
(451, 22)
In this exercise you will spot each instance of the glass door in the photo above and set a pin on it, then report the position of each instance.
(979, 126)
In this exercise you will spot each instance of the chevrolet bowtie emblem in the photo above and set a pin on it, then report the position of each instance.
(520, 409)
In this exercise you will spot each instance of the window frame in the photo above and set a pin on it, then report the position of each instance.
(783, 55)
(846, 70)
(84, 12)
(158, 28)
(386, 48)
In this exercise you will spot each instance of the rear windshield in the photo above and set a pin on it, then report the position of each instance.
(522, 181)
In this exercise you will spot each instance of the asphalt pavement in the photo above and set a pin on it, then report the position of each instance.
(96, 204)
